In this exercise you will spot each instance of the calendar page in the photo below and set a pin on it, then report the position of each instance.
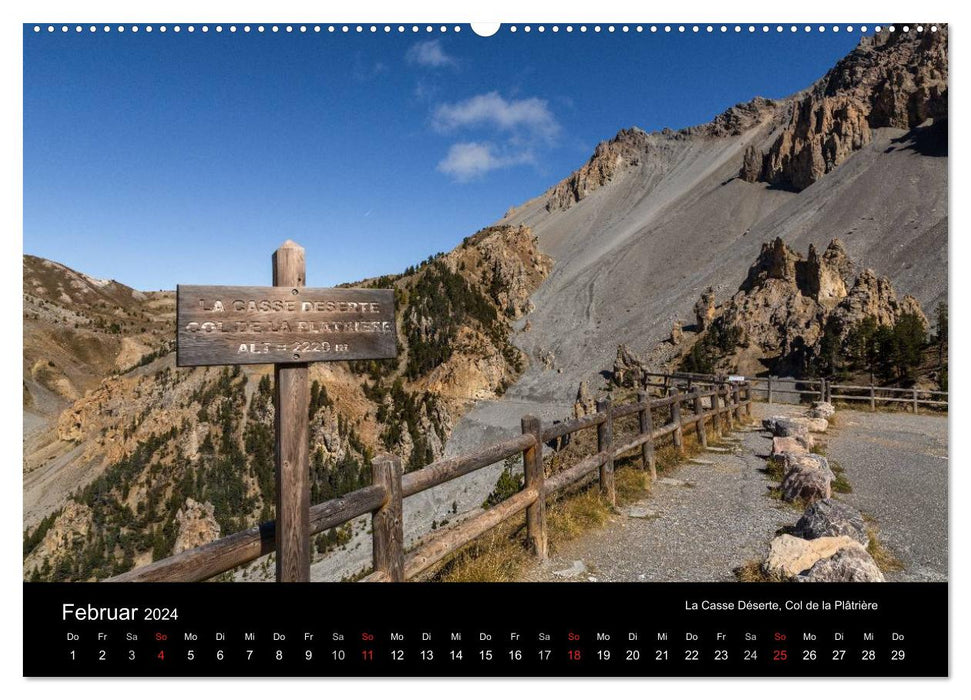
(433, 349)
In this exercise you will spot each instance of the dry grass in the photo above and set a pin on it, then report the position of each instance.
(840, 484)
(752, 572)
(499, 555)
(885, 560)
(774, 468)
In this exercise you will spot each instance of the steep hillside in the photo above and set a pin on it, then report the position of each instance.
(158, 456)
(654, 219)
(78, 329)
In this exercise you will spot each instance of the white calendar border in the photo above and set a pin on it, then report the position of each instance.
(521, 11)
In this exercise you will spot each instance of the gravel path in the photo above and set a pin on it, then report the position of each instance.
(712, 514)
(897, 464)
(706, 518)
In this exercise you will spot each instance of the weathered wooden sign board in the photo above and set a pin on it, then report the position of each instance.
(290, 326)
(261, 325)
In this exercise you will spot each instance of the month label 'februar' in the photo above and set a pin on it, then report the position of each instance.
(226, 325)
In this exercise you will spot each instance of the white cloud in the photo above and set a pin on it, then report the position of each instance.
(470, 160)
(531, 115)
(430, 54)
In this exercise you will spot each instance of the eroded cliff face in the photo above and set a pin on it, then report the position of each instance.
(778, 318)
(893, 79)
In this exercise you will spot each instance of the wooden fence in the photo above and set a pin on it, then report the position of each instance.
(788, 390)
(720, 403)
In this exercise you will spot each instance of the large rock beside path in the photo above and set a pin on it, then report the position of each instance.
(830, 518)
(851, 564)
(781, 445)
(809, 484)
(805, 460)
(786, 426)
(821, 409)
(790, 556)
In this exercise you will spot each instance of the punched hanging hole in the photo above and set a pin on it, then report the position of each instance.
(485, 28)
(294, 292)
(296, 356)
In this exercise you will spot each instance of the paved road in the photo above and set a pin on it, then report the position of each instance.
(715, 515)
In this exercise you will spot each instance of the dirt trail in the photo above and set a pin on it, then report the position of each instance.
(712, 514)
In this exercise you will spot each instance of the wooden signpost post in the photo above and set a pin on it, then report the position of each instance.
(288, 325)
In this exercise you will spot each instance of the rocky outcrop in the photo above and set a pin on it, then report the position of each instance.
(677, 333)
(506, 261)
(787, 304)
(738, 119)
(624, 151)
(69, 532)
(197, 525)
(585, 403)
(873, 296)
(705, 310)
(892, 79)
(628, 368)
(633, 147)
(830, 518)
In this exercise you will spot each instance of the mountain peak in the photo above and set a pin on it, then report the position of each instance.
(896, 80)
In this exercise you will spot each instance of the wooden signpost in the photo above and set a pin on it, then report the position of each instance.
(288, 325)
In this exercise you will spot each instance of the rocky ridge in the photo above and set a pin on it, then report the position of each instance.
(893, 79)
(631, 147)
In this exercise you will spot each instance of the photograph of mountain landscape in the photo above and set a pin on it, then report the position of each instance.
(669, 306)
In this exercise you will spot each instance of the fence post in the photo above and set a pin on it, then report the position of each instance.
(700, 425)
(716, 419)
(646, 420)
(291, 395)
(748, 399)
(729, 424)
(822, 388)
(535, 477)
(915, 401)
(387, 528)
(605, 440)
(737, 400)
(873, 398)
(770, 388)
(676, 419)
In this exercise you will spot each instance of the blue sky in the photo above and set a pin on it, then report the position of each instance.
(156, 159)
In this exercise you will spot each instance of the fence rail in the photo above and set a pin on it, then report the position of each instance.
(726, 404)
(771, 387)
